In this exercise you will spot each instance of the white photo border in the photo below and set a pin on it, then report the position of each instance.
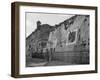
(54, 69)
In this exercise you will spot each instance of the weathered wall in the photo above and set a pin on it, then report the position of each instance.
(74, 52)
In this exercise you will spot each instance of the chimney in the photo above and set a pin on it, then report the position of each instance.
(38, 24)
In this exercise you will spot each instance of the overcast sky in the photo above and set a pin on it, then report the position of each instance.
(51, 19)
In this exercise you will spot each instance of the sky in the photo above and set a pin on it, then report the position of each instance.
(45, 18)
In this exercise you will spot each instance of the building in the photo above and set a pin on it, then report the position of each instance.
(38, 39)
(72, 40)
(69, 40)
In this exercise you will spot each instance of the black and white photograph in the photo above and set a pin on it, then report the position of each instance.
(54, 39)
